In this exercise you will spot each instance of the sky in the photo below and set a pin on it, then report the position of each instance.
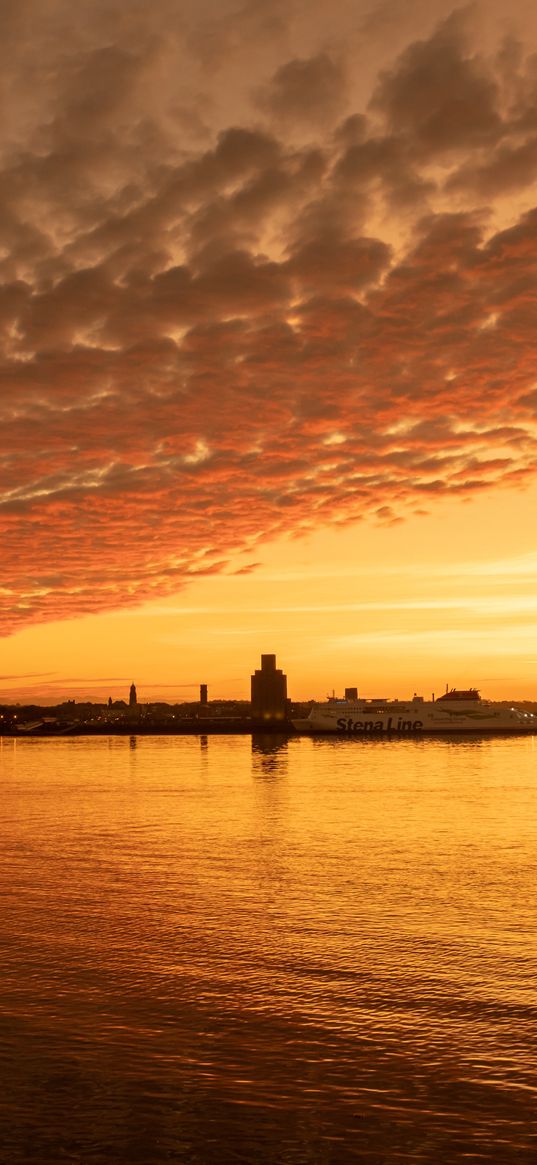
(268, 366)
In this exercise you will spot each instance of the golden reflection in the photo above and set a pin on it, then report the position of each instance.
(358, 907)
(269, 753)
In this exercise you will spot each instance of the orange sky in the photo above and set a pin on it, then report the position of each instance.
(268, 366)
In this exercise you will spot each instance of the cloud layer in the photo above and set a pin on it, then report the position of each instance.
(240, 300)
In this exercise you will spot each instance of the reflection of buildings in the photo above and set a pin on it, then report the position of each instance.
(269, 691)
(269, 754)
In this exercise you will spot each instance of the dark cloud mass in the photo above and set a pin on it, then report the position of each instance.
(234, 304)
(312, 91)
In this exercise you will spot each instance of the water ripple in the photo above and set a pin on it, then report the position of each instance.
(311, 952)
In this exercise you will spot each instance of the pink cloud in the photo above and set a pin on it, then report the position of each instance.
(206, 343)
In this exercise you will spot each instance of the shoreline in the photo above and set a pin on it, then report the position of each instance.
(194, 727)
(281, 729)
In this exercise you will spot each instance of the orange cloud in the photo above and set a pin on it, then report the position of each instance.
(207, 343)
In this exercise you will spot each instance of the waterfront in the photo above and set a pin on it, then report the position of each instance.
(278, 951)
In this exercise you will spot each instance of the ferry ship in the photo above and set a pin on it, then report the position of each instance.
(456, 711)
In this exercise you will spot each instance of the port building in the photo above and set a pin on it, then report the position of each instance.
(269, 691)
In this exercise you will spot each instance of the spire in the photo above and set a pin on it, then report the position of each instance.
(133, 699)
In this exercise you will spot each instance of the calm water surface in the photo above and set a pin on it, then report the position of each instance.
(225, 950)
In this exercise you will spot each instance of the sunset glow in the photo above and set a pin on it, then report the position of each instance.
(268, 315)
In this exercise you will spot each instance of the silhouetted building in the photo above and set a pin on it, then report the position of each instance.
(133, 699)
(269, 690)
(351, 693)
(203, 708)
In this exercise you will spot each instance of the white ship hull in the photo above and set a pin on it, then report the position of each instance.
(415, 718)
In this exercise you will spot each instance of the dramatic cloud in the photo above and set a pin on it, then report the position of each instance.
(308, 91)
(236, 304)
(439, 96)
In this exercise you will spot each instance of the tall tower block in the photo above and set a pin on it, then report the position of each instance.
(269, 691)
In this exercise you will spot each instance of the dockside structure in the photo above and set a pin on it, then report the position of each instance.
(269, 691)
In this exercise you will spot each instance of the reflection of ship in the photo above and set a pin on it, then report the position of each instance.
(456, 711)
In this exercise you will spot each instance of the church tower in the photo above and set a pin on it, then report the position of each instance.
(133, 699)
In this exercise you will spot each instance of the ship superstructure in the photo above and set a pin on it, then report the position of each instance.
(456, 711)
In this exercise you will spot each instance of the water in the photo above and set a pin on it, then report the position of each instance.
(280, 953)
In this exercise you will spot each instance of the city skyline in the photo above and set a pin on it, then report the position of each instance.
(267, 314)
